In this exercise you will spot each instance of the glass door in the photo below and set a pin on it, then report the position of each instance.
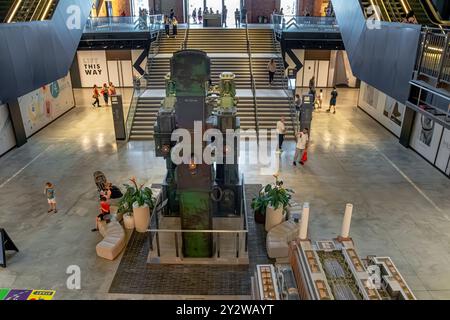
(289, 7)
(232, 5)
(194, 5)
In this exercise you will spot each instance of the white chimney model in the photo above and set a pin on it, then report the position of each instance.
(303, 233)
(347, 220)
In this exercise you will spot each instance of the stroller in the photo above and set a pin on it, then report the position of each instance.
(100, 180)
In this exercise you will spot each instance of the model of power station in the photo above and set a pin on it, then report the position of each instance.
(197, 191)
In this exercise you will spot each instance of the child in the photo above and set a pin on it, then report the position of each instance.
(104, 210)
(50, 192)
(320, 99)
(105, 93)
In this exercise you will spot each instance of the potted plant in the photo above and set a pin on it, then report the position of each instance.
(136, 204)
(259, 205)
(278, 199)
(126, 210)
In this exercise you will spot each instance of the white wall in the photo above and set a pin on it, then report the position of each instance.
(42, 106)
(381, 107)
(7, 139)
(134, 56)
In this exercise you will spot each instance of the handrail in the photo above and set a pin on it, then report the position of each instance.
(154, 230)
(184, 44)
(435, 14)
(153, 52)
(284, 78)
(252, 80)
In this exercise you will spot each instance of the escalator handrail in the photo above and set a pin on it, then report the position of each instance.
(436, 16)
(12, 11)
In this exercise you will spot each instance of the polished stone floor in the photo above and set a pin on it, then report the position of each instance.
(401, 203)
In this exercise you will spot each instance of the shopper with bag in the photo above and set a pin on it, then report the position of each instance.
(302, 147)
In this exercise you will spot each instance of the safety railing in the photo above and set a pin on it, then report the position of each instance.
(434, 55)
(184, 44)
(282, 71)
(151, 23)
(252, 80)
(290, 23)
(141, 84)
(227, 244)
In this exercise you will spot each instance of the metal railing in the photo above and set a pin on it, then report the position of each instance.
(434, 55)
(184, 44)
(240, 236)
(252, 80)
(283, 75)
(291, 23)
(151, 23)
(31, 10)
(141, 83)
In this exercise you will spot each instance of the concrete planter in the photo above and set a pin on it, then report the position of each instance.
(273, 217)
(128, 222)
(141, 217)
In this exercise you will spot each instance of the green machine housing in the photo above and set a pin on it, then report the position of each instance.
(196, 191)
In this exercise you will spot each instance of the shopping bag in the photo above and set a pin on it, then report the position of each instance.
(304, 158)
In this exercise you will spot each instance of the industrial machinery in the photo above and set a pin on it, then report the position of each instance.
(197, 190)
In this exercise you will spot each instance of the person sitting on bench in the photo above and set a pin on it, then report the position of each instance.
(104, 212)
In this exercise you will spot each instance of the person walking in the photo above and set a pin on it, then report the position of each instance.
(167, 26)
(95, 96)
(174, 27)
(200, 15)
(224, 16)
(272, 68)
(320, 99)
(312, 91)
(172, 14)
(302, 145)
(312, 82)
(194, 15)
(244, 15)
(112, 89)
(298, 105)
(105, 93)
(50, 193)
(333, 99)
(281, 130)
(237, 18)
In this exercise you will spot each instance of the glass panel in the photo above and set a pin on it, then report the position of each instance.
(289, 7)
(194, 4)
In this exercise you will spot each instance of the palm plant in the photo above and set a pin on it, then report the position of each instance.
(137, 196)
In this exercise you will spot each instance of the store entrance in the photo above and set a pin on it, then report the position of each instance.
(214, 6)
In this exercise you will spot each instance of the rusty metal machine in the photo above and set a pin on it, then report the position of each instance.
(197, 190)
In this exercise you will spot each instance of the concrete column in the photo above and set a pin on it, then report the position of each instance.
(347, 220)
(303, 233)
(17, 122)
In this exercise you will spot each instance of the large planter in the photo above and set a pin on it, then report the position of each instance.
(128, 222)
(273, 217)
(259, 217)
(141, 217)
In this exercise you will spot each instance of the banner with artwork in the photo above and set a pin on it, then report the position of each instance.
(443, 159)
(42, 106)
(93, 68)
(386, 110)
(426, 137)
(7, 139)
(26, 294)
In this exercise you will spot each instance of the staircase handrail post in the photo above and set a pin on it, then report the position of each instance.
(252, 79)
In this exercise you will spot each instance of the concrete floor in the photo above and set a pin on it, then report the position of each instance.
(401, 203)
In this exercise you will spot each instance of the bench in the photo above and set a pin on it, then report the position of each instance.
(278, 238)
(113, 240)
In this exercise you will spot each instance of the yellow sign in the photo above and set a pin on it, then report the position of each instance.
(42, 295)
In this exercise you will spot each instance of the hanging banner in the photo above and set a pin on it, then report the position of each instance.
(42, 295)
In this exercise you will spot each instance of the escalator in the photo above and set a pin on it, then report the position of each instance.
(41, 49)
(426, 13)
(30, 10)
(5, 5)
(387, 10)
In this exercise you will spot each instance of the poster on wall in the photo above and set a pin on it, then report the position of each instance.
(7, 139)
(394, 111)
(42, 106)
(371, 96)
(443, 159)
(426, 137)
(93, 68)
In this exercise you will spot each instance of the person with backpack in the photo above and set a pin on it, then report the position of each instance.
(333, 99)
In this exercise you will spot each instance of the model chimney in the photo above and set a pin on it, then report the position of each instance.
(347, 220)
(303, 233)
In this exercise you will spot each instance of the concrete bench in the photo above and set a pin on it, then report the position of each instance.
(113, 241)
(278, 238)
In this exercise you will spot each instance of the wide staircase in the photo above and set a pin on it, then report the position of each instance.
(262, 41)
(239, 66)
(223, 41)
(270, 111)
(145, 118)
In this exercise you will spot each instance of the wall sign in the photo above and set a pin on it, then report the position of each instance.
(93, 68)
